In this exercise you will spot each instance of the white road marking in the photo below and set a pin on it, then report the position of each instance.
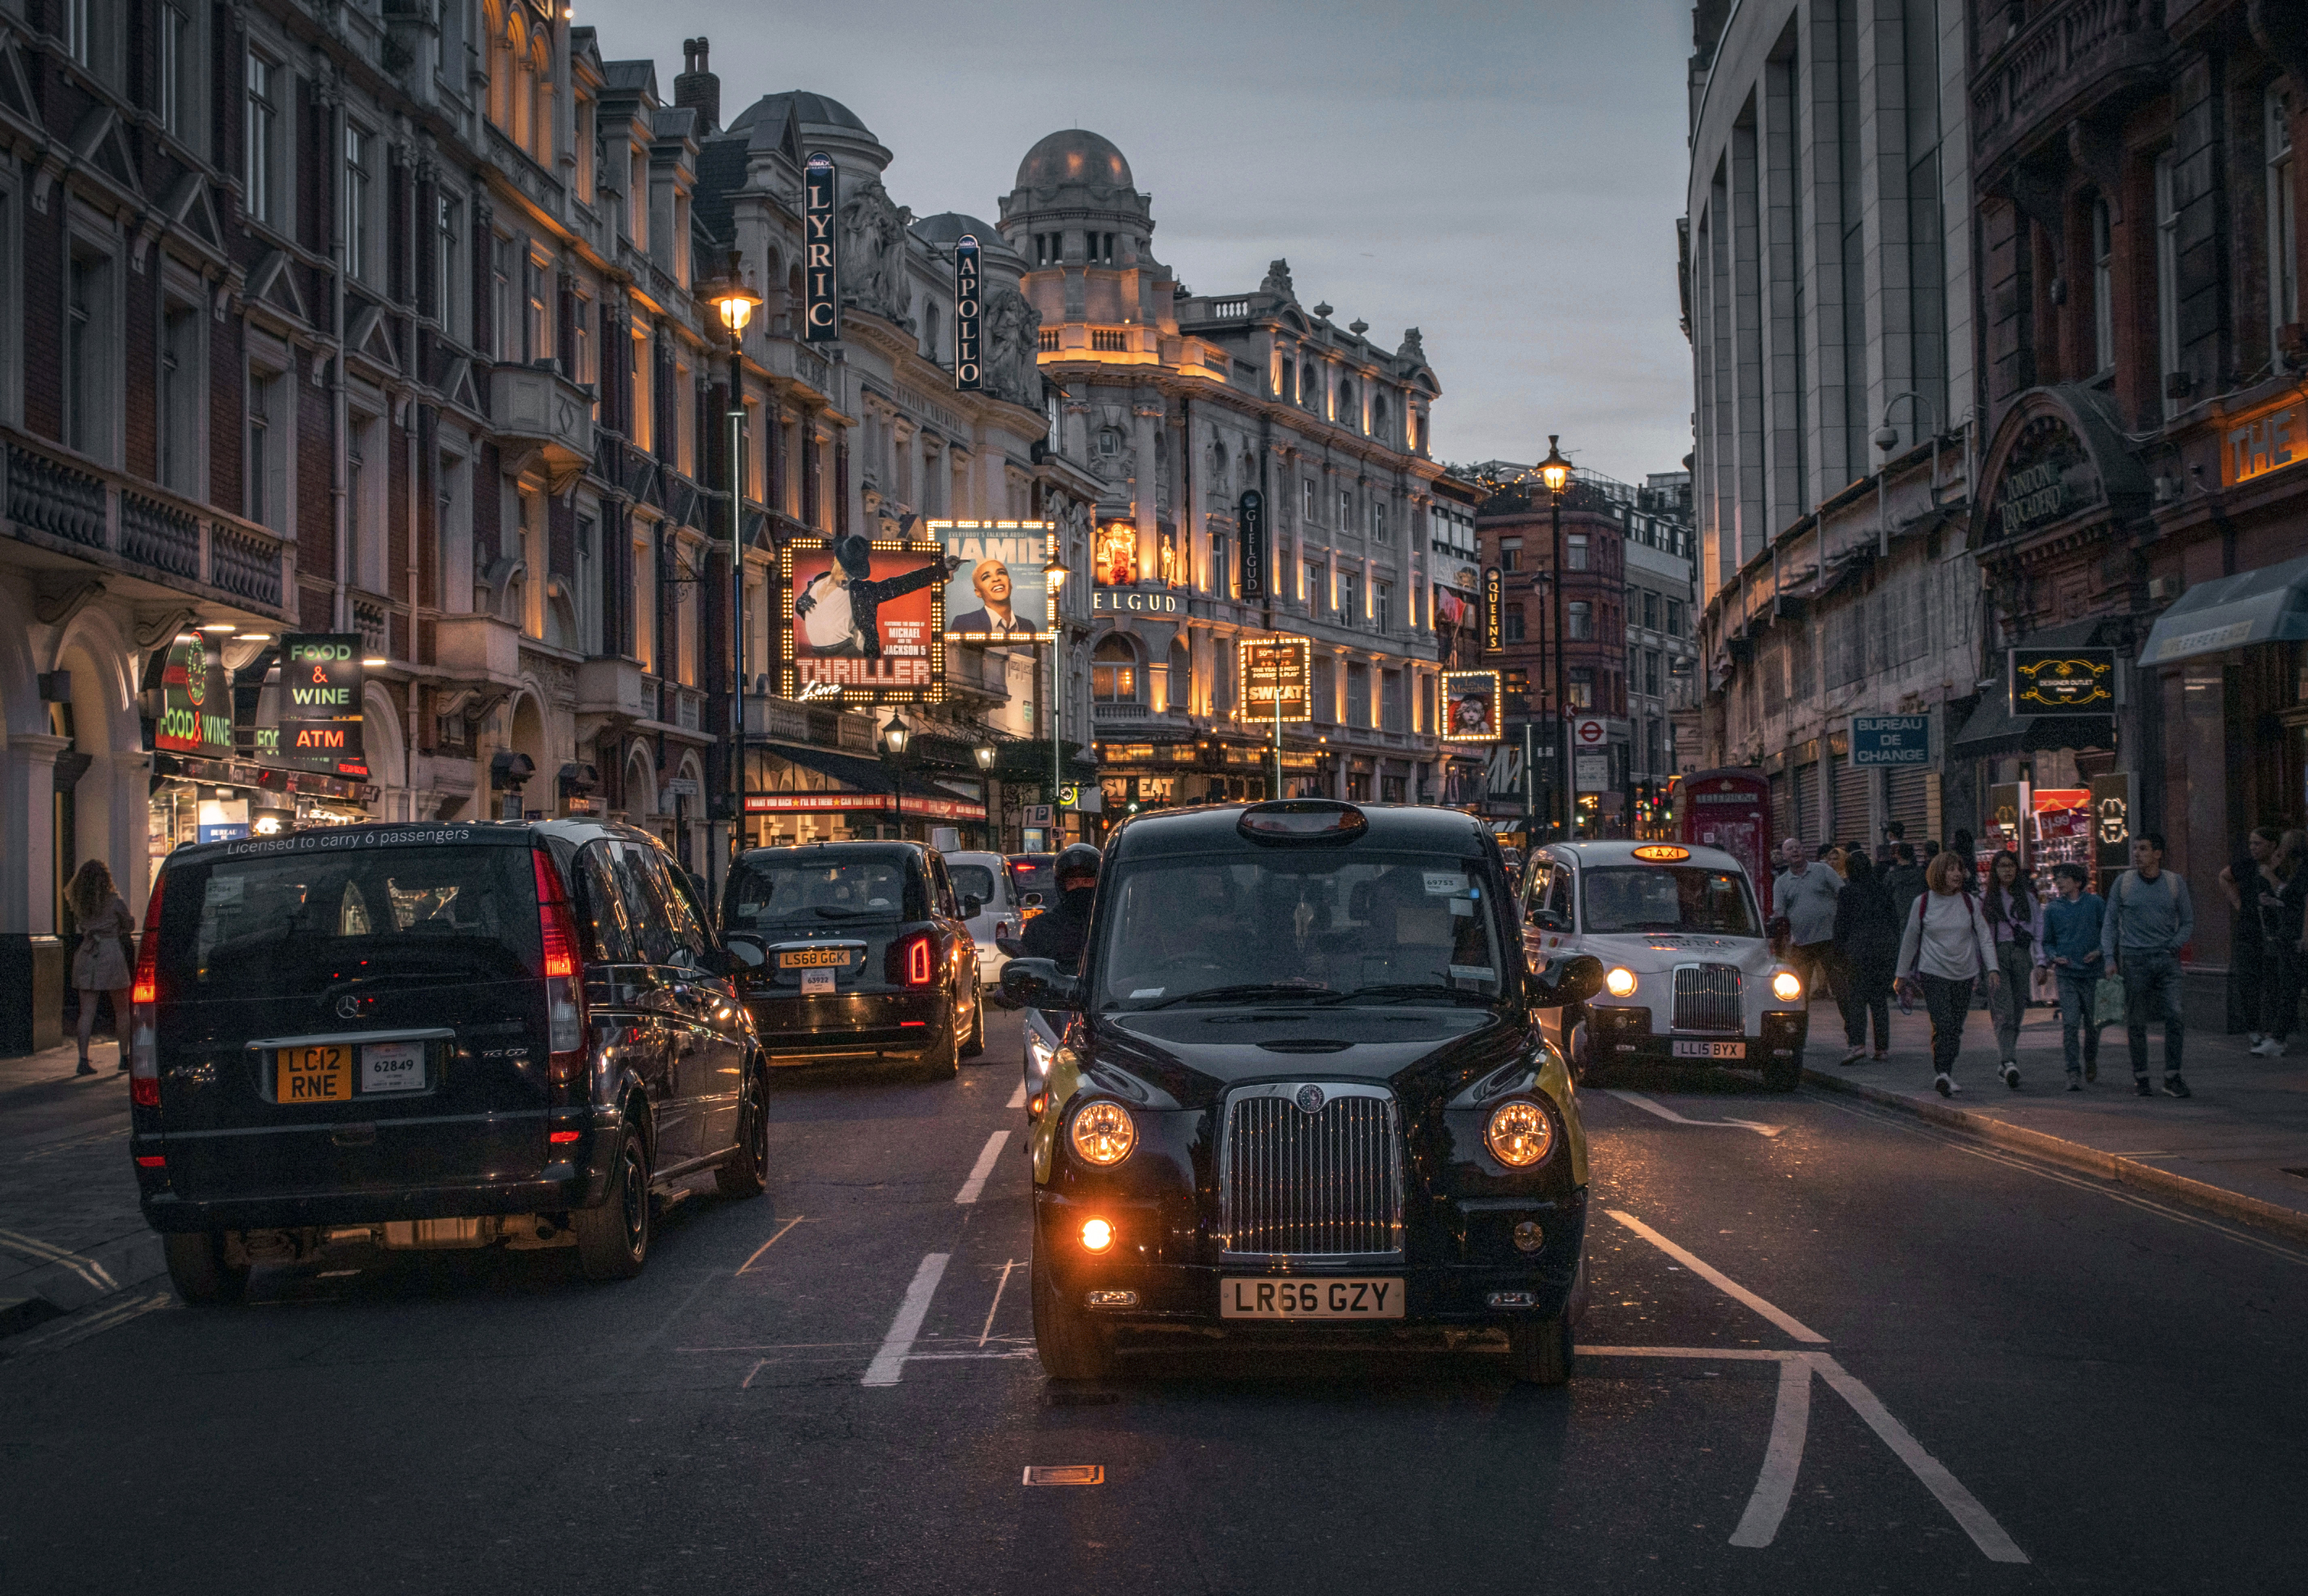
(79, 1329)
(47, 1252)
(1666, 1113)
(1776, 1484)
(747, 1383)
(771, 1242)
(890, 1362)
(1962, 1506)
(999, 1286)
(952, 1356)
(1789, 1422)
(1018, 1098)
(1718, 1280)
(979, 1172)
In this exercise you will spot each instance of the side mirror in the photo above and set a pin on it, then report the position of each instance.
(1030, 900)
(743, 953)
(1566, 981)
(1037, 983)
(971, 907)
(1547, 919)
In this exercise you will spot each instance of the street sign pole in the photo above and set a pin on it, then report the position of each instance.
(1278, 741)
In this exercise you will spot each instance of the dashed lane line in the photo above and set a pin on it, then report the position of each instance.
(1672, 1117)
(45, 1252)
(1718, 1280)
(1018, 1098)
(889, 1364)
(983, 1168)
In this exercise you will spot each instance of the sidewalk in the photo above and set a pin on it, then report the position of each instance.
(70, 1230)
(2239, 1147)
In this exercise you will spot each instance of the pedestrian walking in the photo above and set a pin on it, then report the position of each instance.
(2014, 919)
(2150, 917)
(2283, 911)
(100, 963)
(1803, 895)
(1904, 880)
(2070, 949)
(2248, 879)
(1944, 948)
(1866, 950)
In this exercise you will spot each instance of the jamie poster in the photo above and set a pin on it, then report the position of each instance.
(866, 618)
(996, 591)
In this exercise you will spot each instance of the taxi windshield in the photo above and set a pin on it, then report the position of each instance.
(1661, 898)
(1324, 926)
(774, 893)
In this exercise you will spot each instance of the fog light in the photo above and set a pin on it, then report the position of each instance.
(1112, 1299)
(1097, 1235)
(1512, 1300)
(1528, 1238)
(1620, 982)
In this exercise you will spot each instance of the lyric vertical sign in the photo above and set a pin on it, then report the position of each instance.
(968, 367)
(321, 679)
(1250, 517)
(820, 210)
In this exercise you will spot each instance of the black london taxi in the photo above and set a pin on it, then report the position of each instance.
(1302, 1092)
(864, 955)
(431, 1036)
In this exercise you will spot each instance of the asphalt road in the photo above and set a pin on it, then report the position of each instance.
(1950, 1368)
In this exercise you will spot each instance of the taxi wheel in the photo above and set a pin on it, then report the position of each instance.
(198, 1270)
(974, 1043)
(613, 1239)
(747, 1174)
(1539, 1351)
(1072, 1347)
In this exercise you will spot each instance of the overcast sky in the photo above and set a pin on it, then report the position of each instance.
(1505, 177)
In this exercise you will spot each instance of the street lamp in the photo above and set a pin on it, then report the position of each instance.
(984, 755)
(1555, 472)
(894, 735)
(735, 304)
(1055, 574)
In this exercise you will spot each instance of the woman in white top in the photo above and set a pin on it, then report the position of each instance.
(100, 962)
(1945, 946)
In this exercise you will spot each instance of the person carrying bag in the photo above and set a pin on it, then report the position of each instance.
(1944, 948)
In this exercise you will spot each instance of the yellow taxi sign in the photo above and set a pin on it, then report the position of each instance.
(1662, 853)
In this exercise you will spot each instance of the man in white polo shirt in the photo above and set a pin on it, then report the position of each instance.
(1804, 893)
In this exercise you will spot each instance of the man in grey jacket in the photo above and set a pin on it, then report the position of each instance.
(2150, 917)
(1805, 892)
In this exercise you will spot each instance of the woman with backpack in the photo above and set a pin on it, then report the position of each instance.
(1944, 947)
(1866, 946)
(2015, 921)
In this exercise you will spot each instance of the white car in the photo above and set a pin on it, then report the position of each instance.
(986, 877)
(1688, 973)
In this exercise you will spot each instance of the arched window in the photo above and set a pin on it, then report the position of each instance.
(493, 20)
(1345, 416)
(517, 89)
(1114, 671)
(930, 346)
(540, 122)
(1378, 417)
(1182, 675)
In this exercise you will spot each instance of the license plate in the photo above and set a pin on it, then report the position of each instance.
(1711, 1050)
(392, 1066)
(322, 1074)
(1327, 1298)
(816, 980)
(814, 958)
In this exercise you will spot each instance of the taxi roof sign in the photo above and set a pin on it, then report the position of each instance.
(1662, 853)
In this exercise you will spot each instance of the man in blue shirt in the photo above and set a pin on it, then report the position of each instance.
(2069, 948)
(2150, 917)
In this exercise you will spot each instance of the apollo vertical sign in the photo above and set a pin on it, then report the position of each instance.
(820, 207)
(968, 371)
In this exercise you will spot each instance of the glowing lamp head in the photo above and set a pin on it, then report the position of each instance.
(732, 300)
(1096, 1235)
(1786, 985)
(1055, 574)
(1553, 471)
(1620, 982)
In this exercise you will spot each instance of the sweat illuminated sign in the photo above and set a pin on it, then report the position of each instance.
(821, 210)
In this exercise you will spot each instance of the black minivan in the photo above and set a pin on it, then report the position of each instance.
(432, 1036)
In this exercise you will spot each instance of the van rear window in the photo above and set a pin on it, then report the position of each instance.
(290, 922)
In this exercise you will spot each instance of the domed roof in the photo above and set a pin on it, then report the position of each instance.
(947, 226)
(811, 111)
(1074, 156)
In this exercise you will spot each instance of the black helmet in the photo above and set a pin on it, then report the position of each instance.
(1078, 859)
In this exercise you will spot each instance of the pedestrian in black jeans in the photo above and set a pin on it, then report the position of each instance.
(2251, 882)
(1944, 947)
(2283, 911)
(2150, 917)
(1867, 946)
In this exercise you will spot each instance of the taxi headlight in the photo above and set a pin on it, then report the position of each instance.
(1519, 1134)
(1786, 985)
(1620, 982)
(1103, 1133)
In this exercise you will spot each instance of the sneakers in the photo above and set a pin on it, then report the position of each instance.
(1945, 1085)
(1857, 1053)
(1882, 1053)
(2141, 1087)
(2253, 1039)
(2091, 1069)
(2075, 1082)
(86, 1068)
(2267, 1047)
(2175, 1087)
(2011, 1073)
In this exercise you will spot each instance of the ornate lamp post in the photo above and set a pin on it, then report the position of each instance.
(1055, 574)
(1555, 472)
(735, 304)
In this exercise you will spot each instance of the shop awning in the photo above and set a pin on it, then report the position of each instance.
(863, 784)
(2269, 605)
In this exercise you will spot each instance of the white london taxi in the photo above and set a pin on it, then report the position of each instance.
(1688, 973)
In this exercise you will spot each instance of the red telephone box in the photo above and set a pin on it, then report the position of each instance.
(1729, 809)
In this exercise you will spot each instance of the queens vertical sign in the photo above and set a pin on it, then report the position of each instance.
(821, 210)
(969, 370)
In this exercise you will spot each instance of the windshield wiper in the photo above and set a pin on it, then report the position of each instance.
(1296, 991)
(1397, 991)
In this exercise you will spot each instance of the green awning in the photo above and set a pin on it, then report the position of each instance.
(2269, 605)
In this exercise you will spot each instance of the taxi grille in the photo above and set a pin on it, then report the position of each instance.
(1328, 1183)
(1707, 997)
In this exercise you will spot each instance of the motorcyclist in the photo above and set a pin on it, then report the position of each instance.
(1057, 934)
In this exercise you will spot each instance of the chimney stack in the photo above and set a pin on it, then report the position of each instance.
(697, 85)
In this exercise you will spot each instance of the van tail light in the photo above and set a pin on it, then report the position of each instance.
(144, 1009)
(914, 959)
(565, 980)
